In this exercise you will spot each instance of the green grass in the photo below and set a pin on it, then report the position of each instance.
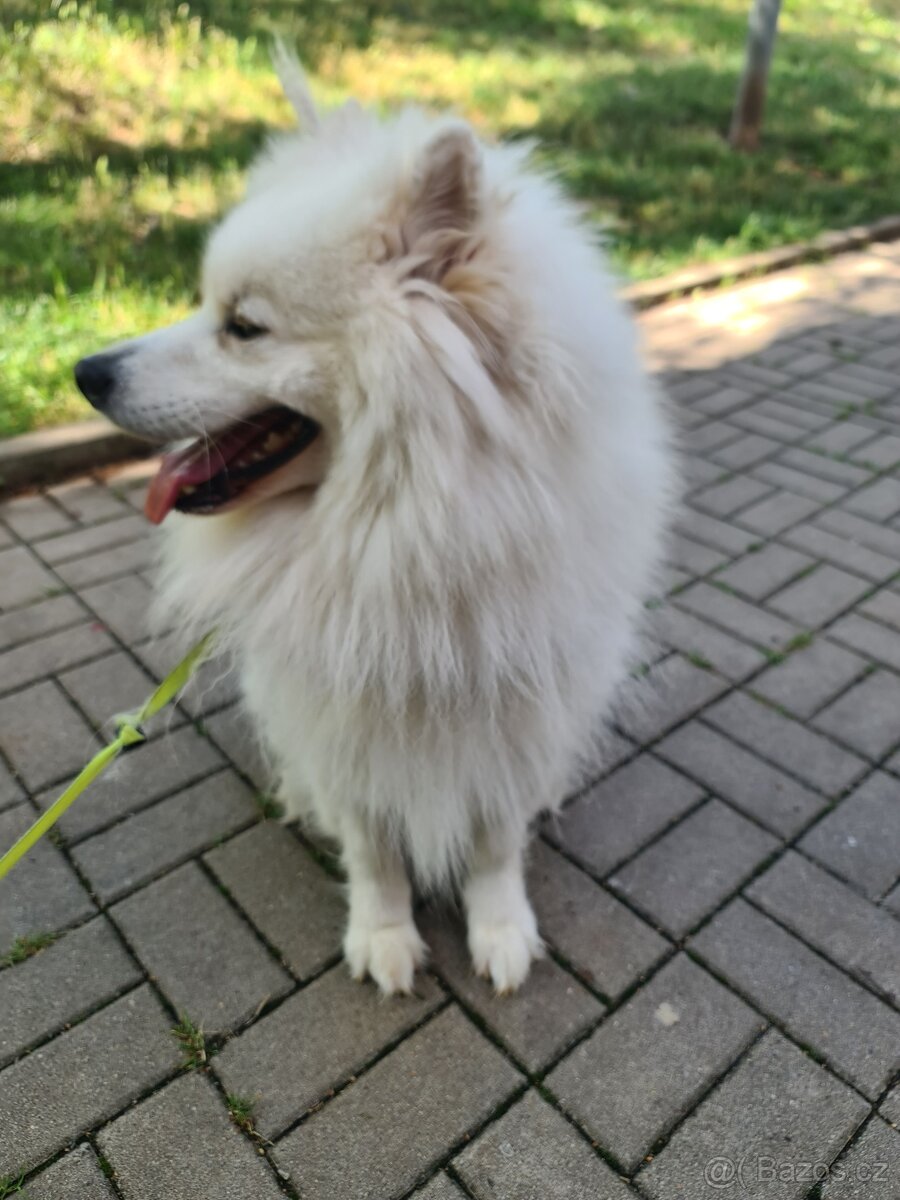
(11, 1185)
(241, 1111)
(27, 947)
(192, 1041)
(125, 128)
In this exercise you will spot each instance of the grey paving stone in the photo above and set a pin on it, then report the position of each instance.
(233, 733)
(890, 1106)
(110, 685)
(817, 1004)
(88, 501)
(842, 551)
(107, 564)
(43, 736)
(10, 792)
(857, 529)
(47, 655)
(776, 474)
(76, 1176)
(870, 1170)
(883, 606)
(697, 472)
(858, 936)
(751, 784)
(536, 1023)
(723, 400)
(758, 574)
(314, 1042)
(827, 468)
(122, 605)
(868, 637)
(204, 958)
(712, 435)
(819, 596)
(161, 837)
(702, 642)
(671, 692)
(23, 579)
(441, 1187)
(214, 685)
(860, 839)
(42, 893)
(83, 1077)
(96, 537)
(34, 517)
(616, 817)
(776, 1112)
(180, 1144)
(777, 512)
(840, 437)
(718, 534)
(691, 556)
(142, 775)
(647, 1064)
(722, 499)
(810, 677)
(760, 422)
(25, 624)
(745, 452)
(692, 868)
(740, 617)
(792, 413)
(605, 943)
(867, 717)
(296, 905)
(531, 1153)
(809, 755)
(880, 500)
(882, 452)
(376, 1114)
(61, 983)
(892, 900)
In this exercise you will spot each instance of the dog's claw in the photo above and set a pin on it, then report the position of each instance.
(389, 955)
(503, 953)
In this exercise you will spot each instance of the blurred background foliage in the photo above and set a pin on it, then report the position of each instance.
(125, 128)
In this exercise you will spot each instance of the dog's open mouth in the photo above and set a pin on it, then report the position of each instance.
(210, 474)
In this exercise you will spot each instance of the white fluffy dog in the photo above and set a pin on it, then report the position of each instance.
(433, 480)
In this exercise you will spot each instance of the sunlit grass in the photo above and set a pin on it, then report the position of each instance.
(126, 127)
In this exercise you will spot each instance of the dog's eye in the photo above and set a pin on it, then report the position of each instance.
(238, 327)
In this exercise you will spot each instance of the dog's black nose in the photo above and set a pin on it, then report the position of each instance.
(96, 377)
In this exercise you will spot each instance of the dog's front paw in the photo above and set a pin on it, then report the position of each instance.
(503, 951)
(387, 953)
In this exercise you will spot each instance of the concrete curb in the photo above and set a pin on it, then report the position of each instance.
(53, 454)
(765, 262)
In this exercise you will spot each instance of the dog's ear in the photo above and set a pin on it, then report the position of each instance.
(445, 202)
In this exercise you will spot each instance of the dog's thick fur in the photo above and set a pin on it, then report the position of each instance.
(430, 638)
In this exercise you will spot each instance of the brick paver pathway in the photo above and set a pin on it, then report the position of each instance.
(719, 1013)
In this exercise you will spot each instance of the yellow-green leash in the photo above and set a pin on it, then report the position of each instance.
(129, 733)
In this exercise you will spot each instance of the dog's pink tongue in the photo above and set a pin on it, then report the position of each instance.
(198, 462)
(185, 468)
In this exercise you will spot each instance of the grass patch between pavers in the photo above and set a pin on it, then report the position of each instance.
(125, 129)
(26, 947)
(192, 1041)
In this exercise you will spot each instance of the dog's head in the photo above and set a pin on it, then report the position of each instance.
(305, 286)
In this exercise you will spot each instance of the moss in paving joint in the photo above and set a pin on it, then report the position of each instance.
(699, 661)
(270, 808)
(105, 1166)
(192, 1040)
(240, 1109)
(26, 947)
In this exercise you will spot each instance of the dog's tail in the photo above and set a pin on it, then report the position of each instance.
(293, 81)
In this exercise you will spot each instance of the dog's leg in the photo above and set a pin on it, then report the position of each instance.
(381, 939)
(503, 934)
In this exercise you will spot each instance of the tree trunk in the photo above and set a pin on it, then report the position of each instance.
(751, 98)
